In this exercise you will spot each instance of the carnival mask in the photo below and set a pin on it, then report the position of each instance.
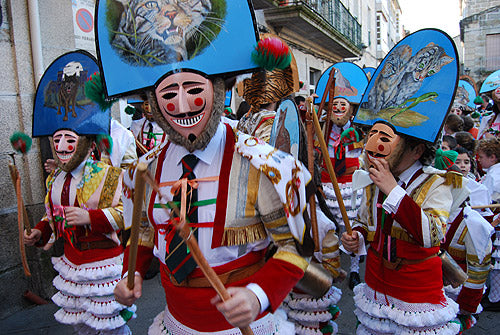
(185, 100)
(146, 110)
(69, 149)
(384, 143)
(496, 95)
(341, 111)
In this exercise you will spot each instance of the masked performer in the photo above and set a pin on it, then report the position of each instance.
(345, 143)
(405, 203)
(266, 91)
(238, 206)
(83, 207)
(146, 131)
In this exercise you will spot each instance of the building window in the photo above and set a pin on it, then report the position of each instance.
(378, 29)
(492, 52)
(314, 75)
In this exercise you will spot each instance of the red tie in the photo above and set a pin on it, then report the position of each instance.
(65, 190)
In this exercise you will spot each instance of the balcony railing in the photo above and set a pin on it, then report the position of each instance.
(334, 12)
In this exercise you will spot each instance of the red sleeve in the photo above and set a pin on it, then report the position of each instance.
(144, 258)
(46, 230)
(362, 231)
(468, 299)
(277, 278)
(409, 216)
(99, 222)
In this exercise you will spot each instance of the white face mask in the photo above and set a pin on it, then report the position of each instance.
(185, 100)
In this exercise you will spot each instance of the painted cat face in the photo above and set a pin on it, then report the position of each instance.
(429, 61)
(152, 32)
(341, 111)
(185, 100)
(382, 143)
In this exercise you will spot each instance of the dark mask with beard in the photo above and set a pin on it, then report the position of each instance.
(341, 112)
(70, 150)
(192, 141)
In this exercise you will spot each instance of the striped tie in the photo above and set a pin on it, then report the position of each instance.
(178, 259)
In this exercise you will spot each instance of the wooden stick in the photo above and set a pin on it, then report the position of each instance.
(486, 206)
(214, 280)
(310, 163)
(141, 147)
(331, 93)
(331, 172)
(22, 217)
(136, 222)
(193, 246)
(329, 84)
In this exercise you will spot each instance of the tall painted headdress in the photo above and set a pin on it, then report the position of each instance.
(350, 83)
(491, 82)
(414, 86)
(138, 42)
(60, 100)
(464, 97)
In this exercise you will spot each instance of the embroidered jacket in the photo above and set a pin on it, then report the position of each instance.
(239, 212)
(460, 245)
(411, 230)
(99, 193)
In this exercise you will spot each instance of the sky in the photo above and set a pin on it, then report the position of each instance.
(441, 14)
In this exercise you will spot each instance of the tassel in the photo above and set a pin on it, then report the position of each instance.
(271, 53)
(20, 142)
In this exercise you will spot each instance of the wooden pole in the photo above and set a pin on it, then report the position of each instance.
(186, 234)
(136, 222)
(142, 148)
(486, 206)
(330, 90)
(22, 217)
(331, 172)
(310, 163)
(214, 280)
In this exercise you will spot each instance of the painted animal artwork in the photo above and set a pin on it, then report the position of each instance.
(155, 32)
(343, 86)
(403, 75)
(283, 138)
(68, 90)
(462, 96)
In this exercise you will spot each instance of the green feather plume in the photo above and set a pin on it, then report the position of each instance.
(94, 90)
(272, 53)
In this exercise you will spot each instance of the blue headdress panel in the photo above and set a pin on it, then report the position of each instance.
(414, 86)
(350, 82)
(60, 101)
(139, 41)
(491, 82)
(465, 94)
(369, 72)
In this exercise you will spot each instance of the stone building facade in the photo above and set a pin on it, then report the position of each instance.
(480, 35)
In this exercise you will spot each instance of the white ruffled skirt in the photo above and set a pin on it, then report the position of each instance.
(382, 314)
(313, 316)
(271, 324)
(86, 296)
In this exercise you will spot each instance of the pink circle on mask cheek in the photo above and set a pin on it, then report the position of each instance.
(171, 107)
(198, 101)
